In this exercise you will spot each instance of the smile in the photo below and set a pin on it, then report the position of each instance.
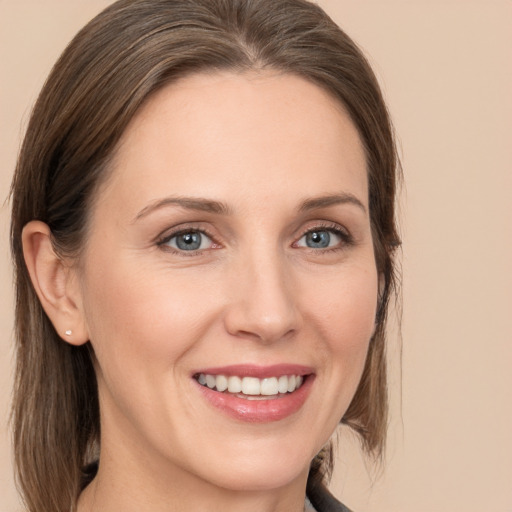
(252, 388)
(256, 394)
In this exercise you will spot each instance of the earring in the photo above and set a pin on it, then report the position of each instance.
(69, 332)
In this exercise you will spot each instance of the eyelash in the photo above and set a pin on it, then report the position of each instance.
(165, 239)
(346, 238)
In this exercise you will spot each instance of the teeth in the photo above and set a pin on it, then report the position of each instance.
(221, 383)
(282, 384)
(252, 386)
(211, 381)
(269, 386)
(234, 384)
(291, 383)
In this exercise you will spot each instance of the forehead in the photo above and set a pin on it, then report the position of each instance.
(248, 134)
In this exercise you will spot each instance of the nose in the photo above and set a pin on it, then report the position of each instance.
(263, 303)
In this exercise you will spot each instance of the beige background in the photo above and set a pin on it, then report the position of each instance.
(446, 69)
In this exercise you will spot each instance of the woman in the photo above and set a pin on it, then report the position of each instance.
(203, 233)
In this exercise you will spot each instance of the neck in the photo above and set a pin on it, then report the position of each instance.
(137, 490)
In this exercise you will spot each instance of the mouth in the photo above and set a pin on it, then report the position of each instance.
(252, 388)
(256, 394)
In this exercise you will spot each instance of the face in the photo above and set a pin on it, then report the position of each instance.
(228, 283)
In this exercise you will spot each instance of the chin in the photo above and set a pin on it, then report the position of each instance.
(254, 479)
(259, 471)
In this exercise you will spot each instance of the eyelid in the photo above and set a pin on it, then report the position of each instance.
(163, 239)
(338, 229)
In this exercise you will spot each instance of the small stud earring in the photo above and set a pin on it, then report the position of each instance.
(69, 332)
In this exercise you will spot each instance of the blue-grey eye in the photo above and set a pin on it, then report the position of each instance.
(190, 241)
(319, 239)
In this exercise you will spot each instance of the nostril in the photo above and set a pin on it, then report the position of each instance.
(263, 306)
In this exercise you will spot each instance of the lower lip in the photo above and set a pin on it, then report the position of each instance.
(259, 411)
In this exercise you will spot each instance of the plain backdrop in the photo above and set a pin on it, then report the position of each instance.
(446, 71)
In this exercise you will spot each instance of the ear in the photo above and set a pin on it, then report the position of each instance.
(55, 282)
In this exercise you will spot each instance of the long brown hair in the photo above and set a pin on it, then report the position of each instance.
(119, 59)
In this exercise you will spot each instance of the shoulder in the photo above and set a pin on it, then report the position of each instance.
(323, 501)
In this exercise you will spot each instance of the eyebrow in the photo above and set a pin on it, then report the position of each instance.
(190, 203)
(219, 208)
(331, 200)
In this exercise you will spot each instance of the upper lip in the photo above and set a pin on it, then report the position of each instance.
(261, 372)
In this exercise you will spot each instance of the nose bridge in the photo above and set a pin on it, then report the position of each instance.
(264, 305)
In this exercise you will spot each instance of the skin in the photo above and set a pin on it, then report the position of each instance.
(261, 144)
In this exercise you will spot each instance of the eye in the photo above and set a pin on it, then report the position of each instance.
(321, 239)
(188, 241)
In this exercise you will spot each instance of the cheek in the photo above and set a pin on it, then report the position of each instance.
(142, 329)
(135, 315)
(344, 312)
(346, 306)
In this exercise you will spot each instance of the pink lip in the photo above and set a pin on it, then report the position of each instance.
(261, 372)
(258, 411)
